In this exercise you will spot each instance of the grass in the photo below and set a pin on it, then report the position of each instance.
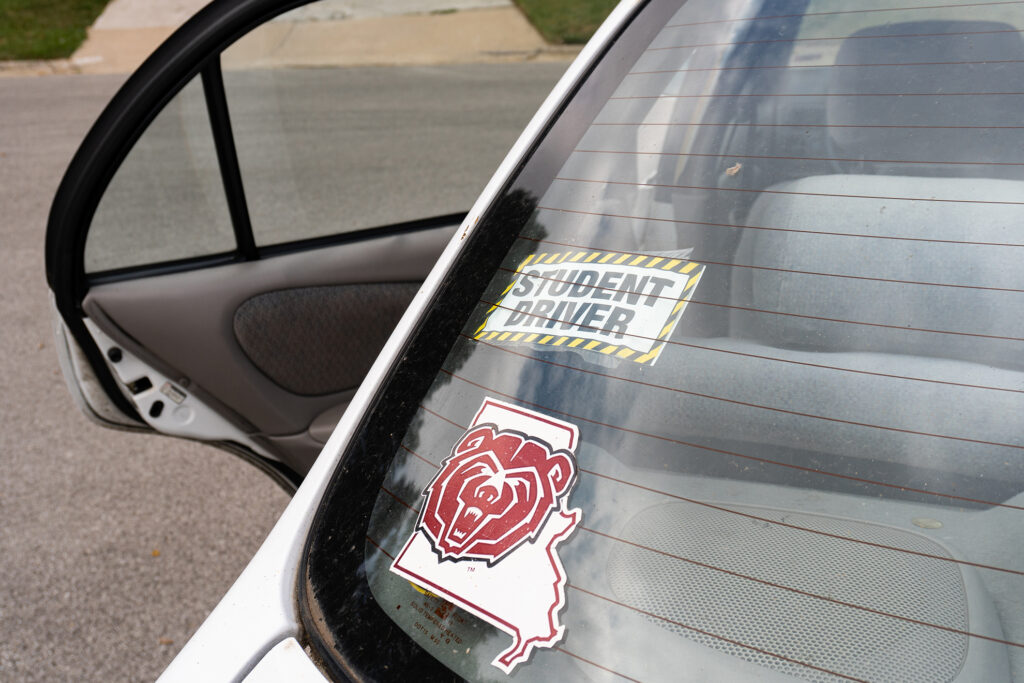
(566, 21)
(44, 29)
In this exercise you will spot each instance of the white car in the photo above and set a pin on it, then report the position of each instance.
(721, 378)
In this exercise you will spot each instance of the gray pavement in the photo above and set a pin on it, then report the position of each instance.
(115, 546)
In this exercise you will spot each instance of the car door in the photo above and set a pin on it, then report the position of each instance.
(244, 225)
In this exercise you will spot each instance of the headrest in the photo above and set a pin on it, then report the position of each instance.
(938, 57)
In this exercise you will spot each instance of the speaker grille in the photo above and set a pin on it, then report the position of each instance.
(314, 341)
(838, 638)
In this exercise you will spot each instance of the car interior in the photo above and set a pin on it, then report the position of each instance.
(897, 269)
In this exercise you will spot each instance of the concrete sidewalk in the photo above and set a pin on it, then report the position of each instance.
(324, 33)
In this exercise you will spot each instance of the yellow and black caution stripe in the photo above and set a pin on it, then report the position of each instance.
(692, 268)
(615, 258)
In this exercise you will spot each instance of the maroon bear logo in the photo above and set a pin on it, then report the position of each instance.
(495, 491)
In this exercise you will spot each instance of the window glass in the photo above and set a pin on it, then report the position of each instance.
(166, 201)
(317, 130)
(763, 326)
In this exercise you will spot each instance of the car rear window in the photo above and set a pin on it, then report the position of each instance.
(758, 347)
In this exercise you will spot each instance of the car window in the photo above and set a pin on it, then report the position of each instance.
(300, 135)
(166, 201)
(310, 126)
(744, 398)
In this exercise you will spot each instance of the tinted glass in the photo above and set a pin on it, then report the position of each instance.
(770, 303)
(166, 201)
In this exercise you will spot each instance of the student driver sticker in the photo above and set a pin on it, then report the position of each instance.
(621, 305)
(493, 516)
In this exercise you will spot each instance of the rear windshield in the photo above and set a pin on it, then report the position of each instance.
(745, 397)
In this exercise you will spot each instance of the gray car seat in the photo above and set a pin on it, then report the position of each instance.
(937, 57)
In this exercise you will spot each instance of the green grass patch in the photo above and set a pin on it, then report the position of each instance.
(566, 21)
(45, 29)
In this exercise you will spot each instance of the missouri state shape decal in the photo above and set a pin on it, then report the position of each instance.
(487, 534)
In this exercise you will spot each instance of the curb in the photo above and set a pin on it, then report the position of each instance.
(37, 67)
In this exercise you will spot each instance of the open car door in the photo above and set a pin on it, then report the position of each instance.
(237, 236)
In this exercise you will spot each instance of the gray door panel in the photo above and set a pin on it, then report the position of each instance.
(260, 228)
(281, 340)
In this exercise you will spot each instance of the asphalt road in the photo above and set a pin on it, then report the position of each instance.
(115, 546)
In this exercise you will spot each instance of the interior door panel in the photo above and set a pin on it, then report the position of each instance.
(280, 341)
(232, 248)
